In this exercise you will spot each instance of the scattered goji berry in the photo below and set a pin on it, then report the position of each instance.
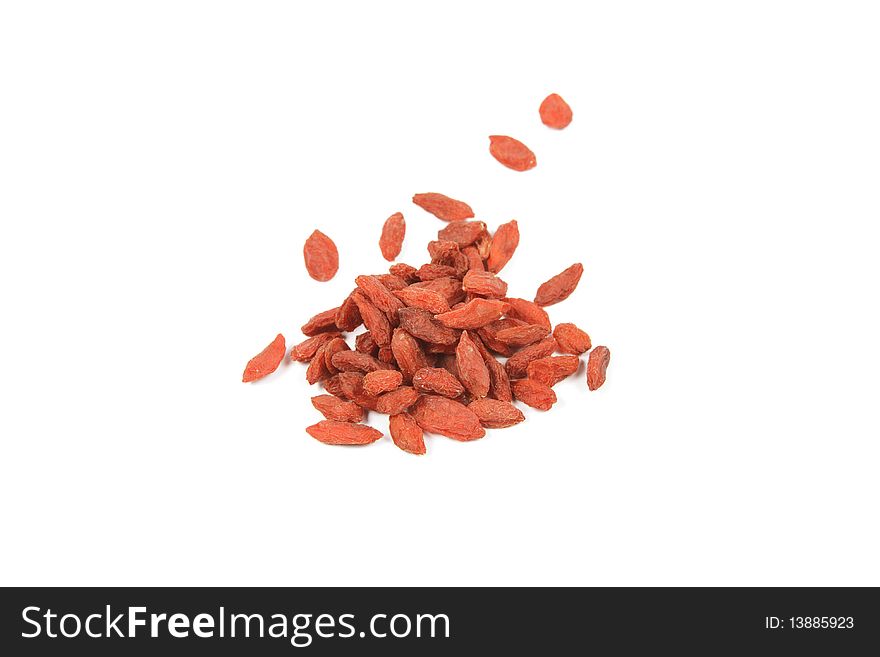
(306, 349)
(321, 256)
(406, 433)
(408, 353)
(550, 370)
(521, 336)
(334, 408)
(438, 381)
(463, 233)
(484, 283)
(393, 232)
(474, 314)
(380, 381)
(443, 207)
(597, 363)
(374, 319)
(333, 432)
(560, 286)
(265, 362)
(348, 317)
(472, 370)
(496, 414)
(528, 311)
(512, 153)
(423, 325)
(397, 401)
(447, 417)
(379, 295)
(533, 393)
(504, 243)
(517, 365)
(555, 112)
(423, 298)
(355, 361)
(321, 323)
(571, 339)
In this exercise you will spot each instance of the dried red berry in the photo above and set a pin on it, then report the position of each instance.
(496, 414)
(597, 363)
(393, 233)
(463, 233)
(511, 152)
(397, 401)
(404, 271)
(517, 365)
(533, 393)
(355, 361)
(348, 317)
(379, 295)
(332, 432)
(504, 243)
(406, 433)
(443, 207)
(321, 256)
(555, 112)
(265, 362)
(560, 286)
(484, 283)
(472, 370)
(520, 336)
(499, 383)
(438, 381)
(381, 381)
(447, 417)
(571, 339)
(321, 323)
(527, 311)
(307, 349)
(475, 261)
(473, 314)
(334, 408)
(408, 353)
(365, 344)
(421, 297)
(374, 319)
(423, 325)
(550, 370)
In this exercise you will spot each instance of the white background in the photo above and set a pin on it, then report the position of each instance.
(162, 163)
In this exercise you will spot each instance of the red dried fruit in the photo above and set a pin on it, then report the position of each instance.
(484, 283)
(393, 233)
(406, 433)
(408, 353)
(346, 384)
(550, 370)
(533, 393)
(317, 369)
(473, 314)
(496, 414)
(597, 363)
(386, 355)
(560, 286)
(527, 311)
(392, 282)
(443, 207)
(380, 381)
(571, 339)
(348, 361)
(499, 383)
(321, 323)
(374, 319)
(463, 233)
(321, 256)
(489, 332)
(447, 417)
(421, 324)
(433, 271)
(379, 295)
(348, 317)
(421, 297)
(397, 401)
(265, 362)
(404, 271)
(511, 152)
(334, 346)
(307, 349)
(475, 262)
(438, 381)
(333, 432)
(365, 344)
(448, 286)
(517, 365)
(503, 245)
(520, 336)
(334, 408)
(472, 370)
(555, 112)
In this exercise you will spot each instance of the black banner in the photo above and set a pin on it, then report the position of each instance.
(322, 621)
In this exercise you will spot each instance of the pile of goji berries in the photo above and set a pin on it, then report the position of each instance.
(429, 354)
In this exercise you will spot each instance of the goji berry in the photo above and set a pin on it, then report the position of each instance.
(447, 417)
(555, 112)
(504, 243)
(443, 207)
(321, 256)
(560, 286)
(332, 432)
(406, 433)
(393, 232)
(533, 393)
(597, 364)
(512, 153)
(571, 339)
(265, 362)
